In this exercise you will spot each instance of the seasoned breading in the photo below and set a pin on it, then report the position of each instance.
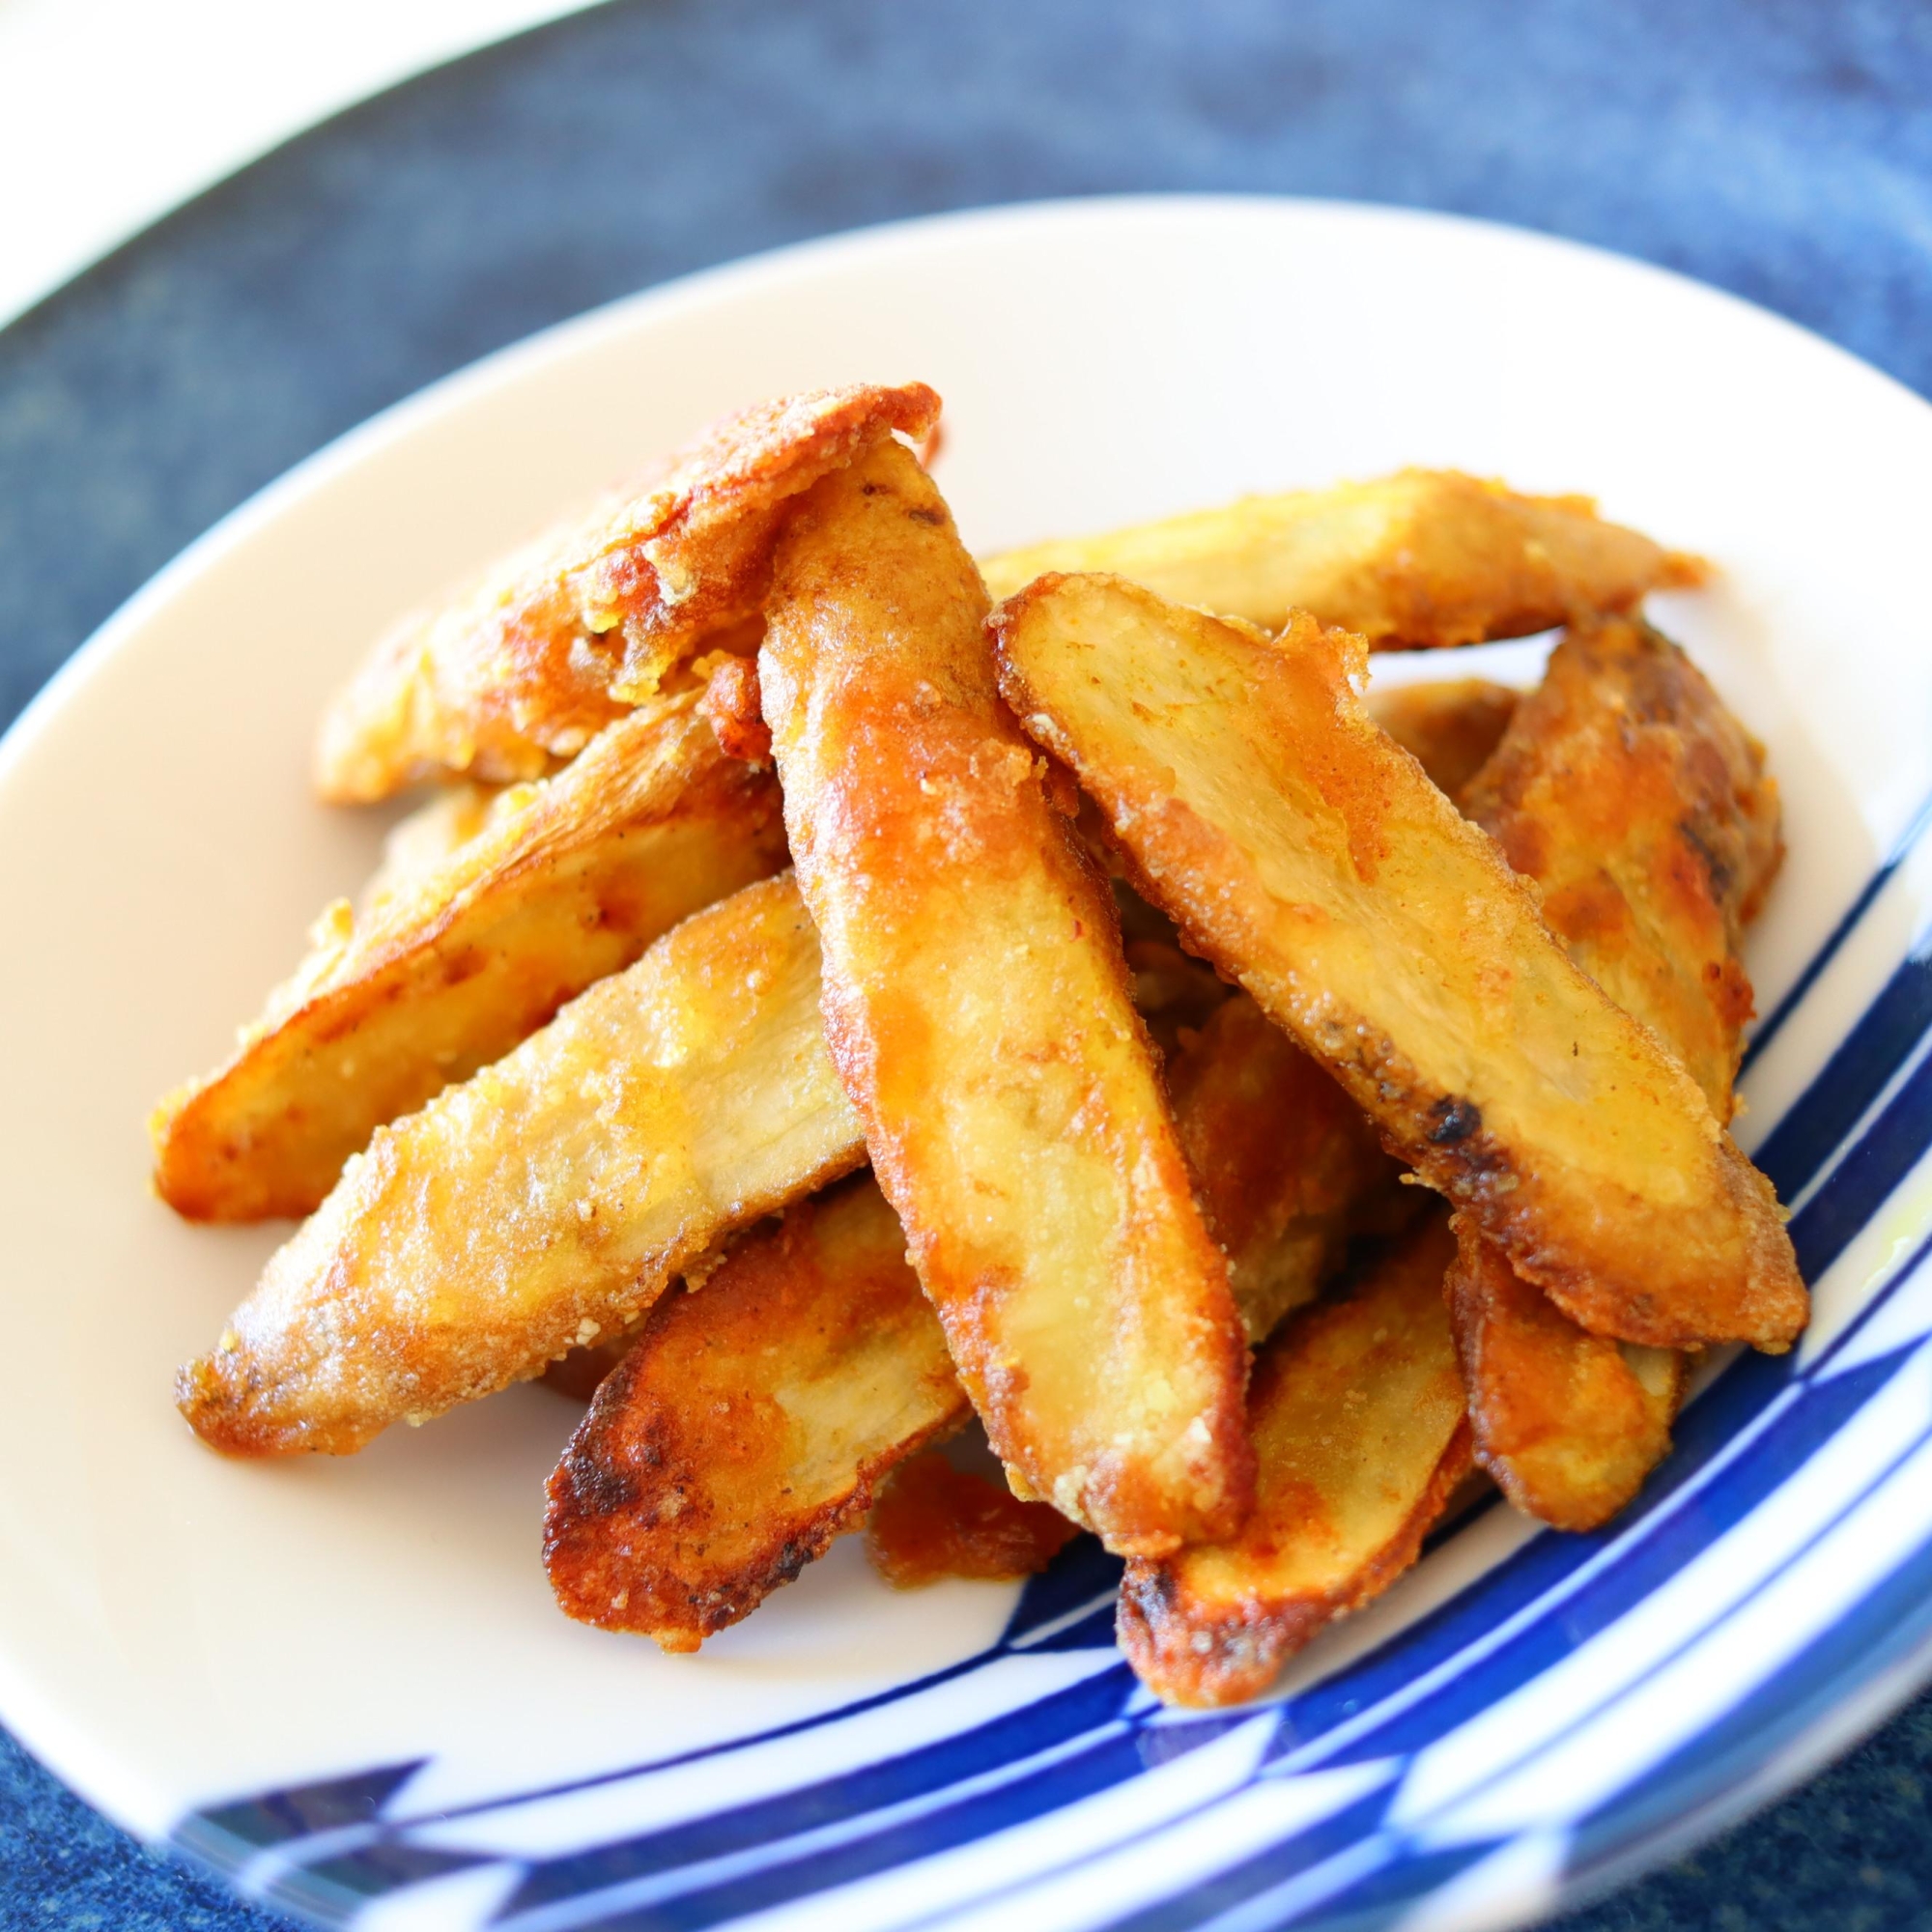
(549, 1198)
(448, 969)
(1422, 557)
(1360, 1441)
(978, 1011)
(552, 643)
(1287, 1168)
(1449, 729)
(1640, 808)
(750, 1424)
(1305, 853)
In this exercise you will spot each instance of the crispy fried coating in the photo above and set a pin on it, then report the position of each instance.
(552, 643)
(750, 1424)
(420, 843)
(979, 1010)
(451, 966)
(736, 711)
(1287, 1168)
(932, 1520)
(1449, 729)
(1361, 1441)
(1422, 557)
(549, 1199)
(1567, 1424)
(1306, 854)
(1641, 809)
(578, 1375)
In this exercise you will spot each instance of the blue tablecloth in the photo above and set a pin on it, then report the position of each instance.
(1780, 147)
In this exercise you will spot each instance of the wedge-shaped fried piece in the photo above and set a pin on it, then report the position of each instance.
(750, 1424)
(1426, 557)
(447, 970)
(1567, 1422)
(1449, 729)
(552, 643)
(1360, 1440)
(1640, 806)
(1287, 1168)
(1641, 809)
(548, 1199)
(1305, 853)
(978, 1007)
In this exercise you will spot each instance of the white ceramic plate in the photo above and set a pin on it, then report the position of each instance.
(345, 1681)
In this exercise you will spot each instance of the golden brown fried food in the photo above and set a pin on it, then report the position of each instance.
(1305, 853)
(736, 711)
(933, 1521)
(425, 841)
(448, 969)
(1640, 806)
(1424, 558)
(548, 1199)
(979, 1010)
(750, 1424)
(1361, 1441)
(1567, 1423)
(1287, 1168)
(579, 1375)
(555, 642)
(1450, 728)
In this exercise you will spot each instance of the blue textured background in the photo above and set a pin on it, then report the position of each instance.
(1780, 147)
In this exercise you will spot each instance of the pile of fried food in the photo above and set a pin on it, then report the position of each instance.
(776, 838)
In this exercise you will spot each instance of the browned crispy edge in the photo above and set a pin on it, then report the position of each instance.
(1202, 1660)
(1547, 1398)
(1544, 1393)
(628, 1468)
(543, 650)
(204, 1174)
(1443, 1138)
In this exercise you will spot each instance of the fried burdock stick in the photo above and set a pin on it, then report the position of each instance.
(550, 1199)
(749, 1425)
(555, 642)
(448, 968)
(1360, 1441)
(1302, 850)
(978, 1011)
(1640, 808)
(1422, 557)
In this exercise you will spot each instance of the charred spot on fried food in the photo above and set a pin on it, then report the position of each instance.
(749, 1425)
(1305, 853)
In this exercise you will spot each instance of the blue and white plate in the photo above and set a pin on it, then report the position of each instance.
(345, 1683)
